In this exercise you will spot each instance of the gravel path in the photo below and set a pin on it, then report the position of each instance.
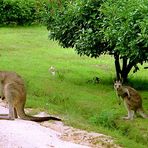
(27, 134)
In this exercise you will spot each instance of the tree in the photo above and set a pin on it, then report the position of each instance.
(125, 27)
(96, 27)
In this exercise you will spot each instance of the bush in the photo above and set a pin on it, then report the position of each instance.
(22, 12)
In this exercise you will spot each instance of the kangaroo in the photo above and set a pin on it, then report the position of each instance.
(132, 100)
(13, 90)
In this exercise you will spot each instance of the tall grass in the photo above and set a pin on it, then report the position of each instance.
(73, 92)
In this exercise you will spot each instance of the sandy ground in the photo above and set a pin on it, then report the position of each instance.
(50, 134)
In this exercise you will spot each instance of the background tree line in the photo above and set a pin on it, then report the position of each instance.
(23, 12)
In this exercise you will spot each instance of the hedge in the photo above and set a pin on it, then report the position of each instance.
(23, 12)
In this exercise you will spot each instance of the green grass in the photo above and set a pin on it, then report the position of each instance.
(72, 93)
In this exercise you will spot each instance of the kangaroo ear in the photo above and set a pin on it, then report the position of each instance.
(114, 80)
(121, 80)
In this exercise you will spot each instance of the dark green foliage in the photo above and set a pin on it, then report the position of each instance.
(76, 25)
(125, 26)
(96, 27)
(22, 12)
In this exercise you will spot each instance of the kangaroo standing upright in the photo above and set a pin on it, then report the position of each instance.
(132, 100)
(13, 90)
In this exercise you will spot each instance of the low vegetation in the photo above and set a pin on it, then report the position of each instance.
(23, 12)
(73, 93)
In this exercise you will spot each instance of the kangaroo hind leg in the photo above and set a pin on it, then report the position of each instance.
(131, 113)
(10, 116)
(9, 94)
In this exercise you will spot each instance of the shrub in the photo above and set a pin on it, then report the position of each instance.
(22, 12)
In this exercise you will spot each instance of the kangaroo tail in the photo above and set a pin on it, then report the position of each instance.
(23, 116)
(39, 119)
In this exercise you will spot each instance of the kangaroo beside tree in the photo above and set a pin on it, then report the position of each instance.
(13, 90)
(132, 100)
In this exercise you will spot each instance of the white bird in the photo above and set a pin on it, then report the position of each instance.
(52, 70)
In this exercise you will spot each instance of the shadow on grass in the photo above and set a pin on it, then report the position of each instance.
(139, 84)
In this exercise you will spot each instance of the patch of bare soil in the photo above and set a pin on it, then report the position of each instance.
(28, 134)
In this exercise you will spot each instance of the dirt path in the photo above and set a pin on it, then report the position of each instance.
(28, 134)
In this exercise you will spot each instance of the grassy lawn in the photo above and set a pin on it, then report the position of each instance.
(72, 93)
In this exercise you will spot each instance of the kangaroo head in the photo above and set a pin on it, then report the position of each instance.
(117, 85)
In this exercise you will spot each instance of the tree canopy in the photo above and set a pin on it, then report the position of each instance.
(96, 27)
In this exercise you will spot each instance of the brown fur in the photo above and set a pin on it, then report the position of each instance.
(132, 100)
(13, 90)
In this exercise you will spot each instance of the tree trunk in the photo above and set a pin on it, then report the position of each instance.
(124, 76)
(117, 66)
(122, 72)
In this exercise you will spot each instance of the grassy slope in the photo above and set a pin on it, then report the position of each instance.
(70, 93)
